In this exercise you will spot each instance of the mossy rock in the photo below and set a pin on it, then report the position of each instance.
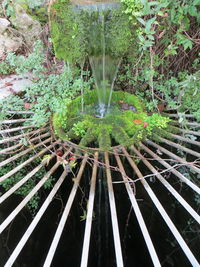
(77, 33)
(125, 123)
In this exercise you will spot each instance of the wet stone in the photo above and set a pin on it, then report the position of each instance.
(125, 106)
(133, 108)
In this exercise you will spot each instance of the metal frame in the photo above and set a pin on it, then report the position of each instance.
(41, 139)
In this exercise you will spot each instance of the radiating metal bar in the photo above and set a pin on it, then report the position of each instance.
(115, 227)
(16, 129)
(11, 148)
(187, 150)
(184, 139)
(163, 213)
(65, 214)
(19, 167)
(177, 116)
(173, 156)
(168, 186)
(19, 112)
(193, 124)
(14, 121)
(6, 161)
(171, 169)
(35, 221)
(26, 178)
(189, 132)
(138, 214)
(21, 182)
(88, 226)
(23, 203)
(13, 138)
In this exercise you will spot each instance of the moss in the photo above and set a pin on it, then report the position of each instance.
(40, 14)
(104, 140)
(77, 34)
(37, 11)
(125, 126)
(88, 138)
(120, 136)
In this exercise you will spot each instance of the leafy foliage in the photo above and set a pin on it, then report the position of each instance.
(166, 53)
(78, 33)
(33, 63)
(45, 95)
(5, 68)
(28, 186)
(126, 126)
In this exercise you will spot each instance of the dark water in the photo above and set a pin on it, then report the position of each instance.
(101, 253)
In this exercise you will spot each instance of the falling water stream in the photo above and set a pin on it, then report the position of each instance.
(104, 67)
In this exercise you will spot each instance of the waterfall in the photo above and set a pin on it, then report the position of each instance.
(104, 67)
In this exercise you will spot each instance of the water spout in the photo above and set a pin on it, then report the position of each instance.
(104, 67)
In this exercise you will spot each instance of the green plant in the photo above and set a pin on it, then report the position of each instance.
(78, 33)
(45, 95)
(29, 185)
(5, 68)
(8, 8)
(32, 63)
(165, 50)
(125, 126)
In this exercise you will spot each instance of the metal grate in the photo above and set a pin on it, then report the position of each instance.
(159, 160)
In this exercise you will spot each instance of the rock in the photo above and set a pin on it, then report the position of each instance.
(9, 44)
(28, 27)
(133, 108)
(125, 106)
(13, 84)
(4, 23)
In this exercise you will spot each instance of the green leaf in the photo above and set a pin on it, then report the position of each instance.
(150, 22)
(196, 3)
(141, 21)
(187, 44)
(46, 158)
(192, 11)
